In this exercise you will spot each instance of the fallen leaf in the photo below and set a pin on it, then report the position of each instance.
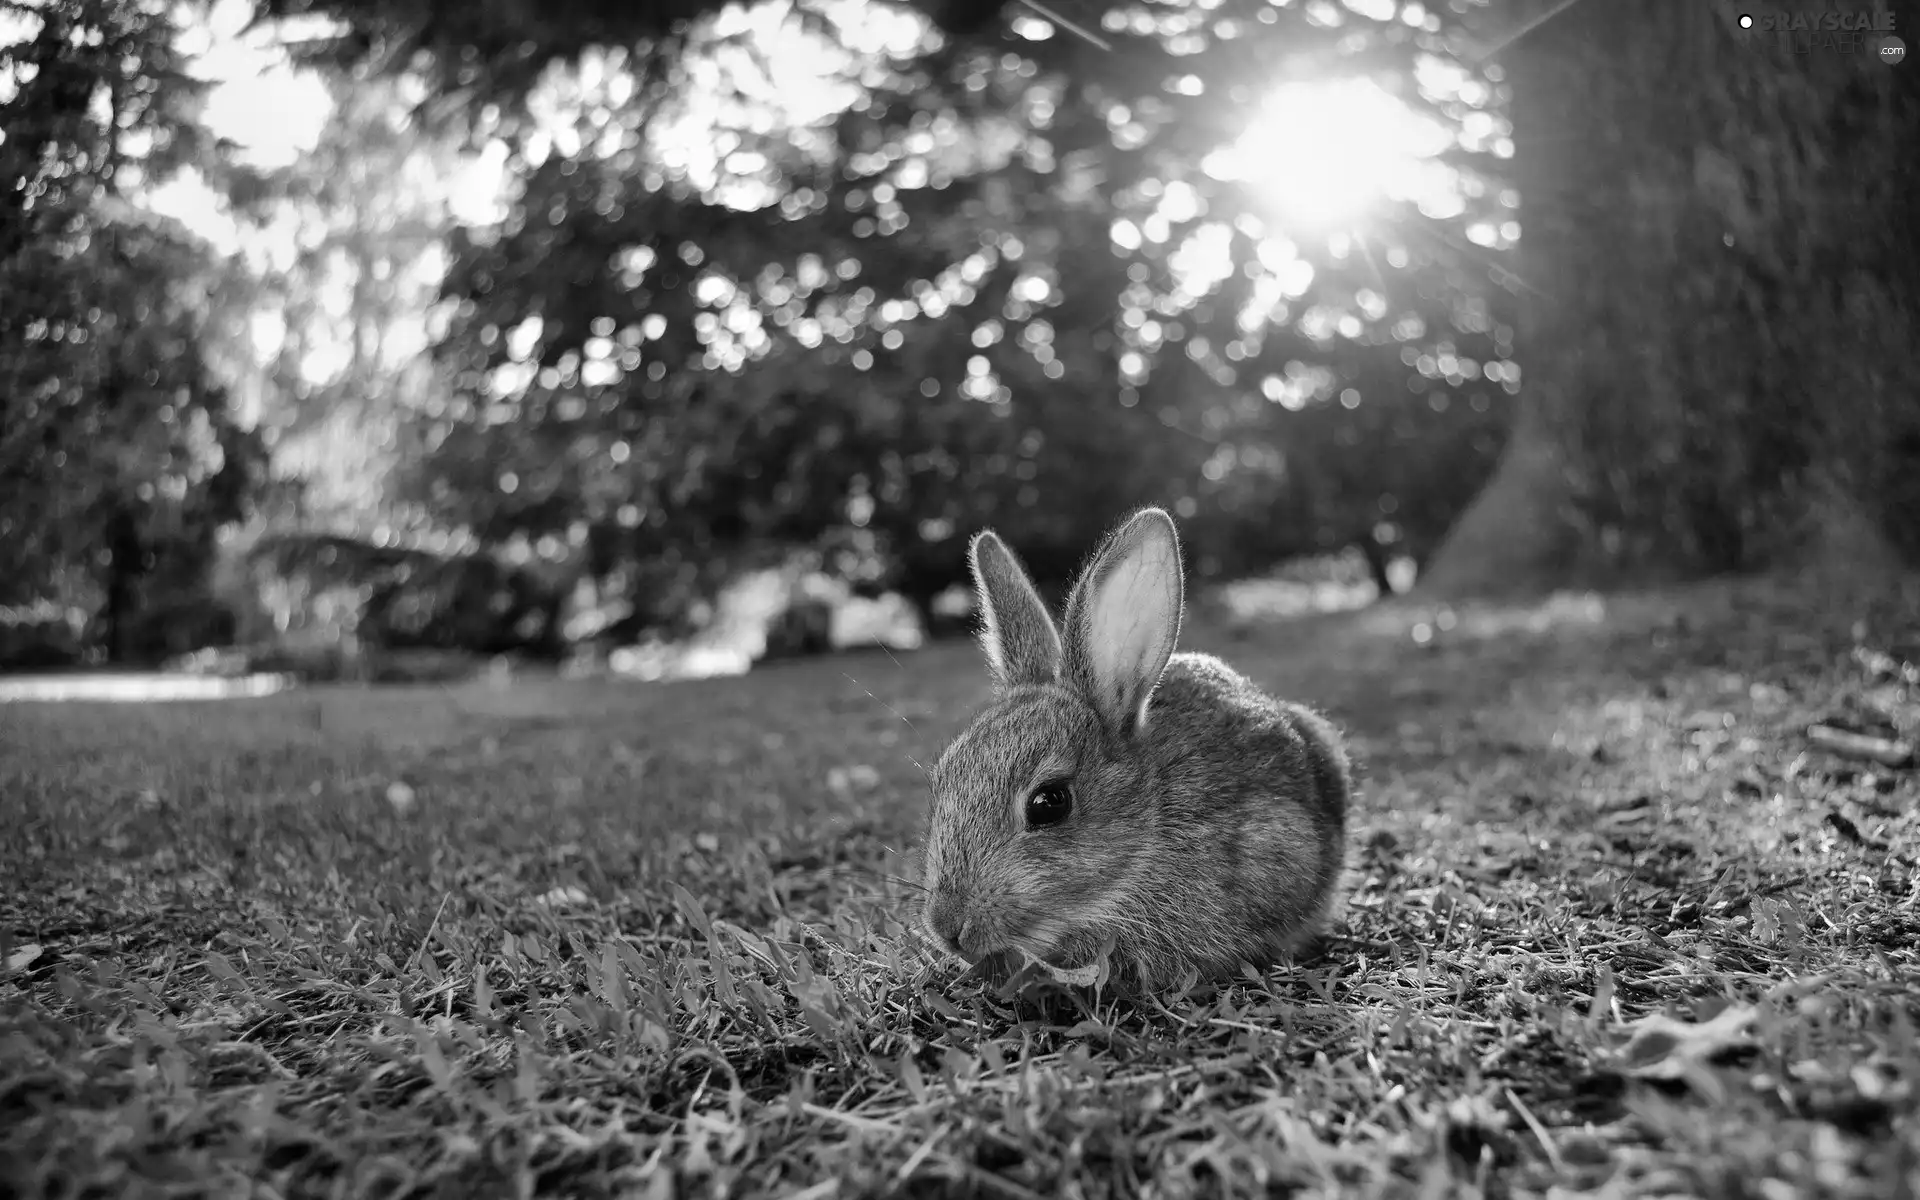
(1075, 976)
(565, 897)
(1846, 828)
(858, 778)
(1624, 804)
(1662, 1047)
(1847, 744)
(1766, 920)
(22, 958)
(401, 796)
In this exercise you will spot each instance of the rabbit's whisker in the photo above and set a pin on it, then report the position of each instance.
(865, 872)
(882, 703)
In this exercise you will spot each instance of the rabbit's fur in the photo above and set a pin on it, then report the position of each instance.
(1207, 820)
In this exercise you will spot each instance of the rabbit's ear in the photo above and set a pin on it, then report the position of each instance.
(1018, 636)
(1124, 618)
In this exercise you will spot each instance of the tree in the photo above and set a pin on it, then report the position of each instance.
(996, 266)
(369, 210)
(1718, 236)
(120, 455)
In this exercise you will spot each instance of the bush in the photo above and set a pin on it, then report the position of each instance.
(805, 627)
(392, 598)
(39, 637)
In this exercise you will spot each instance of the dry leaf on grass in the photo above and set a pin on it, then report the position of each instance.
(401, 796)
(564, 897)
(1663, 1047)
(1847, 744)
(23, 956)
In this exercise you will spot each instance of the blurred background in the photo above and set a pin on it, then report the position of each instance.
(400, 339)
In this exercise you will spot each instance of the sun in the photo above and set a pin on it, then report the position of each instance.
(1323, 155)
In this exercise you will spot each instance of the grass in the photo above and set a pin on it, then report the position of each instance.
(1615, 929)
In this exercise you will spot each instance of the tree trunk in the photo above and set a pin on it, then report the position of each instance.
(1706, 214)
(124, 566)
(1377, 563)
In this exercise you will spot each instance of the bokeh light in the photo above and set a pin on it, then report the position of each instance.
(1324, 154)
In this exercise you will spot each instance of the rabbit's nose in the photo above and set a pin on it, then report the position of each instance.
(947, 917)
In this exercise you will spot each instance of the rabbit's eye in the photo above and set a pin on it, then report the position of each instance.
(1049, 805)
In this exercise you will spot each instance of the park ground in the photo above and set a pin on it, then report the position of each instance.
(1616, 927)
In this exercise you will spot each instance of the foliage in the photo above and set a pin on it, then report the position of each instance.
(1615, 929)
(934, 308)
(120, 455)
(334, 311)
(411, 598)
(366, 212)
(499, 52)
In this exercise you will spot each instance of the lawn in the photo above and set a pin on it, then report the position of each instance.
(1615, 927)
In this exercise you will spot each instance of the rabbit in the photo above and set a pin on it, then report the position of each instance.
(1122, 811)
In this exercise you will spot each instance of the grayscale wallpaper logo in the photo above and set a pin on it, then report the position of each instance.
(1866, 34)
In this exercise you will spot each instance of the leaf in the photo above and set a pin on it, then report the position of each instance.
(564, 897)
(1650, 1048)
(431, 1057)
(990, 1054)
(722, 979)
(1090, 975)
(530, 946)
(275, 928)
(1602, 992)
(915, 1081)
(823, 1026)
(22, 958)
(1662, 1047)
(526, 1075)
(1845, 827)
(690, 908)
(1888, 752)
(613, 981)
(222, 967)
